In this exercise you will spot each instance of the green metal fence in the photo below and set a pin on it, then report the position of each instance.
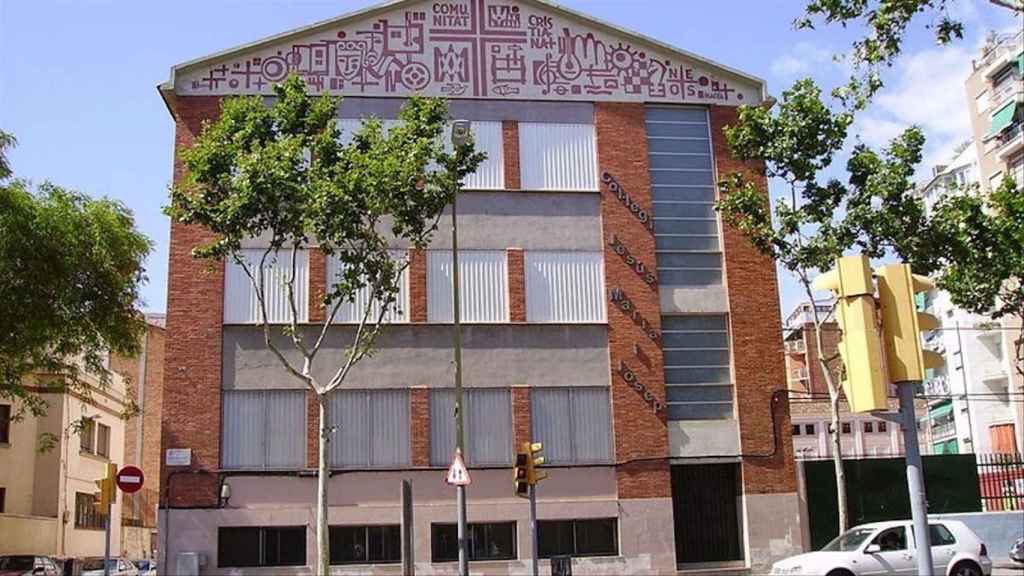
(876, 490)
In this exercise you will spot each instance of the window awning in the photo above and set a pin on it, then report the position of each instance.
(1002, 118)
(1020, 63)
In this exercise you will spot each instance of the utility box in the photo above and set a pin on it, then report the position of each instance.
(561, 566)
(188, 563)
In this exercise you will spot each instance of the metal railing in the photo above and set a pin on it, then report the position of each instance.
(1001, 478)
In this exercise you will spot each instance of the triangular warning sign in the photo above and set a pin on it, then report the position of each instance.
(458, 475)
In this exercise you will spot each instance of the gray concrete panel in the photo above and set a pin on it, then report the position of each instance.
(521, 111)
(421, 355)
(703, 300)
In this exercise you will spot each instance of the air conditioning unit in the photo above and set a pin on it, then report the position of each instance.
(188, 563)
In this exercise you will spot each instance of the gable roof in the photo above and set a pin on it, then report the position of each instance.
(755, 86)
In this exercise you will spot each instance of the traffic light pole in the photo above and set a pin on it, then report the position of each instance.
(915, 479)
(533, 530)
(106, 539)
(460, 491)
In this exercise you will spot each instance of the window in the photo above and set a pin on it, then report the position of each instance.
(892, 539)
(994, 181)
(809, 429)
(847, 429)
(245, 547)
(490, 175)
(592, 537)
(492, 541)
(683, 192)
(869, 427)
(263, 429)
(103, 440)
(573, 423)
(488, 426)
(883, 426)
(240, 303)
(982, 101)
(3, 499)
(564, 287)
(940, 535)
(87, 436)
(373, 428)
(483, 286)
(366, 544)
(697, 367)
(5, 423)
(796, 429)
(352, 312)
(86, 515)
(557, 156)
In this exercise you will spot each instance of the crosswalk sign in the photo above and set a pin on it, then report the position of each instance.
(458, 474)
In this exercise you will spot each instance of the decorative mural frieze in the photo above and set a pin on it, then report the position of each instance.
(471, 48)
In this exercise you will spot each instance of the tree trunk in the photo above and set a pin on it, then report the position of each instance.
(837, 461)
(323, 547)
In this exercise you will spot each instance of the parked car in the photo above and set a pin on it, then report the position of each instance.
(1017, 551)
(146, 567)
(28, 565)
(118, 567)
(889, 548)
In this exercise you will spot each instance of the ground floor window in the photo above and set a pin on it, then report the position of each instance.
(590, 537)
(705, 502)
(86, 515)
(366, 544)
(250, 546)
(490, 541)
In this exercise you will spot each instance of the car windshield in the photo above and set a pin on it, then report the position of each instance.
(17, 563)
(97, 564)
(849, 540)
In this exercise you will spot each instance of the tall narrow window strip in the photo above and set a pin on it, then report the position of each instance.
(564, 287)
(352, 311)
(369, 428)
(488, 426)
(558, 156)
(682, 176)
(241, 302)
(698, 375)
(103, 440)
(5, 423)
(483, 283)
(263, 429)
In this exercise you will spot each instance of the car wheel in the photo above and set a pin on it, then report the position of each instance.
(840, 572)
(965, 568)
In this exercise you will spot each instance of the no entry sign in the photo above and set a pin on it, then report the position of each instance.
(129, 479)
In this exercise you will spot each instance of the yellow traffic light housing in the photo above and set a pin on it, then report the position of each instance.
(533, 461)
(860, 348)
(902, 324)
(107, 494)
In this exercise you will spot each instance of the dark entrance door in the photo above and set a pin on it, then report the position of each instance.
(705, 509)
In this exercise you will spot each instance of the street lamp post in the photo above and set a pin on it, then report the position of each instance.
(460, 134)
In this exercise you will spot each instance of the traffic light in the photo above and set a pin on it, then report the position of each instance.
(902, 324)
(108, 490)
(533, 461)
(520, 475)
(860, 348)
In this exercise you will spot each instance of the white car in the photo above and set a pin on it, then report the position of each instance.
(889, 548)
(118, 567)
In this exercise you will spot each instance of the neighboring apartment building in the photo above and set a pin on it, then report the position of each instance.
(46, 495)
(656, 395)
(971, 408)
(861, 435)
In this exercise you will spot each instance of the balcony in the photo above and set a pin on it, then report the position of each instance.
(1004, 50)
(796, 347)
(943, 431)
(937, 386)
(1010, 141)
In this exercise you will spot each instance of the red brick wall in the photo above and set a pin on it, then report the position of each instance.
(523, 425)
(640, 432)
(191, 395)
(419, 421)
(756, 330)
(317, 285)
(516, 285)
(510, 148)
(417, 286)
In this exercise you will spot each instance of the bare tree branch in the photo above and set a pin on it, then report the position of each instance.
(1015, 6)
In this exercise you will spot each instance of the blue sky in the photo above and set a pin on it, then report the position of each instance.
(78, 80)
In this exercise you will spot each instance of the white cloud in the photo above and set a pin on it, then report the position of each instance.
(926, 89)
(802, 59)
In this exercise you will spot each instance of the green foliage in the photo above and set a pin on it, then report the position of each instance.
(70, 272)
(283, 173)
(814, 223)
(983, 252)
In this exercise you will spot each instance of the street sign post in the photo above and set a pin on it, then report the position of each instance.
(130, 479)
(458, 474)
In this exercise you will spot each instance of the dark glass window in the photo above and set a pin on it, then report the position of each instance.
(243, 547)
(796, 429)
(591, 537)
(366, 544)
(86, 515)
(883, 426)
(869, 427)
(103, 440)
(87, 435)
(492, 541)
(3, 498)
(5, 423)
(846, 428)
(938, 534)
(809, 429)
